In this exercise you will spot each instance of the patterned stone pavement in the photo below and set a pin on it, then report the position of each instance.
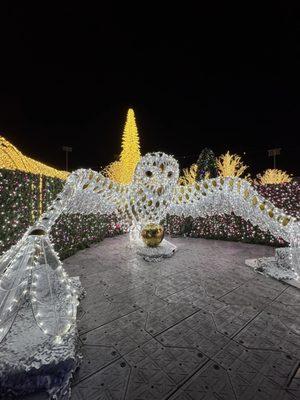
(198, 326)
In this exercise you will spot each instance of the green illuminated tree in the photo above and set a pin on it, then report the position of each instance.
(207, 167)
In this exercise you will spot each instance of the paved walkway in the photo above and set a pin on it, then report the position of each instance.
(200, 325)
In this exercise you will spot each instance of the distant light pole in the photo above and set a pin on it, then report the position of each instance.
(273, 153)
(68, 150)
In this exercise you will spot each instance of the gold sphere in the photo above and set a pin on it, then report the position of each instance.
(152, 234)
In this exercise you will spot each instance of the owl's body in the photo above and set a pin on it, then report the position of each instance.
(152, 190)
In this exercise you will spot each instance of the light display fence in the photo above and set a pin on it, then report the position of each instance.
(75, 232)
(25, 196)
(19, 205)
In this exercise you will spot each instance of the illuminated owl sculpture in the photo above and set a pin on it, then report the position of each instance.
(32, 269)
(155, 192)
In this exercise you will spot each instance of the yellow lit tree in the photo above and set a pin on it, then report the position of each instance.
(231, 165)
(122, 170)
(273, 176)
(189, 175)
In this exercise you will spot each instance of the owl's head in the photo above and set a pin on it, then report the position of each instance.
(157, 170)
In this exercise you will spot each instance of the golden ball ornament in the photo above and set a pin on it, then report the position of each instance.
(152, 234)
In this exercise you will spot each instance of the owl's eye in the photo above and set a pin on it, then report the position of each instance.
(149, 174)
(170, 173)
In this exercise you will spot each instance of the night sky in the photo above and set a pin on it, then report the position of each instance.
(222, 78)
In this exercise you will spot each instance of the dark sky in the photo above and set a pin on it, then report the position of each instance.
(217, 77)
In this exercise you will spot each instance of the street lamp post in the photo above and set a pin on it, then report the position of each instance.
(68, 150)
(273, 153)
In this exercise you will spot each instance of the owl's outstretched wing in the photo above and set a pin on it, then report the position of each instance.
(227, 195)
(32, 266)
(14, 278)
(94, 193)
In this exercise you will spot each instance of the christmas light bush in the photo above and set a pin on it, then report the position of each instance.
(273, 176)
(230, 165)
(189, 175)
